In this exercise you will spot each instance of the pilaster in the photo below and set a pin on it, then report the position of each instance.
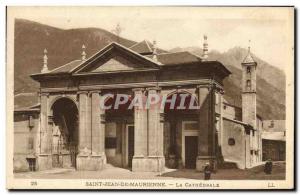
(44, 158)
(148, 146)
(91, 151)
(206, 140)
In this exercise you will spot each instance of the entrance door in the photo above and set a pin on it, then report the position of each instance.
(191, 151)
(130, 144)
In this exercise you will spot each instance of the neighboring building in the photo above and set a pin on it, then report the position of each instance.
(72, 130)
(274, 140)
(26, 129)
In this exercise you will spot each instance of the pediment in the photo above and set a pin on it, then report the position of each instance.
(115, 63)
(116, 58)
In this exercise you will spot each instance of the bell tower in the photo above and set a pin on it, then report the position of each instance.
(249, 89)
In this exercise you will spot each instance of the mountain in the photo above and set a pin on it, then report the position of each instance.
(65, 45)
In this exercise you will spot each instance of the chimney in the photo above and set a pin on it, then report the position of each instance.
(83, 54)
(45, 64)
(154, 51)
(205, 49)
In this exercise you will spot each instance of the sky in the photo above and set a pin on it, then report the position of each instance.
(269, 29)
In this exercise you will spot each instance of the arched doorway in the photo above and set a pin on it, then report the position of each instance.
(65, 133)
(181, 130)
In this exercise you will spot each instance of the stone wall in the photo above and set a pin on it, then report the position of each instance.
(234, 152)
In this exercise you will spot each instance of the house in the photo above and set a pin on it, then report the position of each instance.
(274, 140)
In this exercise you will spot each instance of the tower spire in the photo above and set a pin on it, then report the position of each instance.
(205, 48)
(83, 54)
(45, 62)
(249, 58)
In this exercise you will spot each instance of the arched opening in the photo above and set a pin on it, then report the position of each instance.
(181, 130)
(119, 132)
(65, 133)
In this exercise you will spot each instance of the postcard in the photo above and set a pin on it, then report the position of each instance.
(167, 98)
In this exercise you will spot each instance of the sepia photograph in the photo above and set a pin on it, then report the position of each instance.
(166, 98)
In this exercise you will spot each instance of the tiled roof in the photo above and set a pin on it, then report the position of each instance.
(67, 67)
(142, 47)
(164, 59)
(177, 58)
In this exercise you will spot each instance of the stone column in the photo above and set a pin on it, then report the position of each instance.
(44, 158)
(206, 140)
(140, 132)
(98, 131)
(156, 160)
(84, 124)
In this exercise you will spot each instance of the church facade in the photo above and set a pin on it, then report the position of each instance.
(69, 128)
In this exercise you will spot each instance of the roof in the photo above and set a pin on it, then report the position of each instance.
(249, 58)
(279, 136)
(177, 58)
(27, 110)
(239, 108)
(25, 100)
(136, 51)
(30, 109)
(246, 125)
(67, 67)
(143, 47)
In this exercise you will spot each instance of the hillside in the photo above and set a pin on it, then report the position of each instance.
(65, 45)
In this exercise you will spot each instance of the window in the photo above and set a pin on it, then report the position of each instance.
(248, 69)
(231, 141)
(248, 85)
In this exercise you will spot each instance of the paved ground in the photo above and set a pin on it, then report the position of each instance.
(111, 172)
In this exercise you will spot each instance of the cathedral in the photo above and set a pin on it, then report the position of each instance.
(69, 129)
